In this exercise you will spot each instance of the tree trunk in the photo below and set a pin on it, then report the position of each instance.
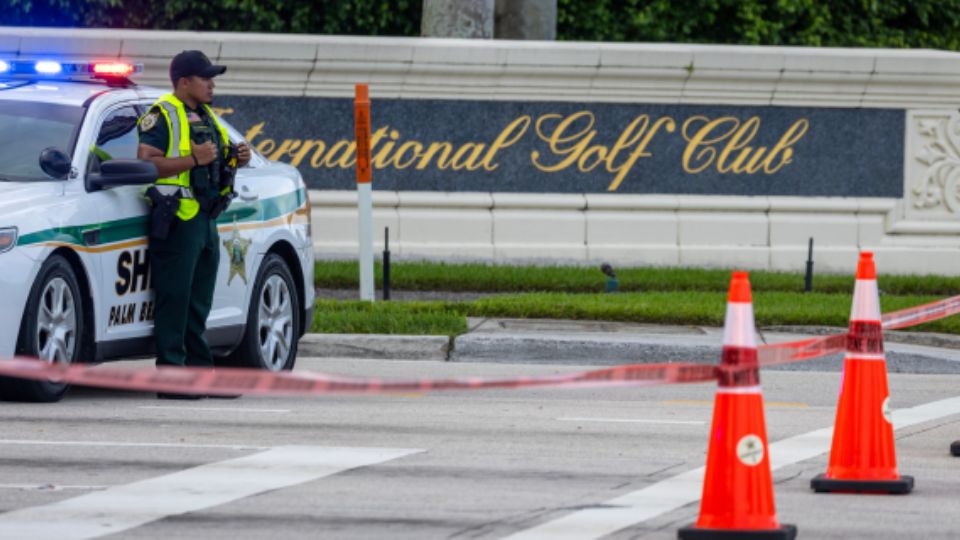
(458, 18)
(526, 19)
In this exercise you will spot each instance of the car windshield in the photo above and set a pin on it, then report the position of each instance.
(28, 128)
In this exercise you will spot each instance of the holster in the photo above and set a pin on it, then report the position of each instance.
(164, 202)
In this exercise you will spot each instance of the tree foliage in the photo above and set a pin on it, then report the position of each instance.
(836, 23)
(361, 17)
(844, 23)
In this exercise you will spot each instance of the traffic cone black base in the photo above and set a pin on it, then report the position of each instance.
(785, 532)
(955, 448)
(898, 486)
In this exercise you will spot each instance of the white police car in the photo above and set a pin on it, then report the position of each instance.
(74, 270)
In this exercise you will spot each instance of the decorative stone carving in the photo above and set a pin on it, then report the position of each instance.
(932, 179)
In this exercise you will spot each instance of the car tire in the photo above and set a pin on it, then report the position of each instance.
(52, 330)
(273, 320)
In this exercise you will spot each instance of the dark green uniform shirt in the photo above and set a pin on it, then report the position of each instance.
(202, 129)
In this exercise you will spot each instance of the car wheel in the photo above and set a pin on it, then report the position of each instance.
(273, 319)
(52, 330)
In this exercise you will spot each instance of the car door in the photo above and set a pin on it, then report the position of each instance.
(120, 239)
(239, 251)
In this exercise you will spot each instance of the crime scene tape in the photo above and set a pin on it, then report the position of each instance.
(228, 381)
(921, 314)
(798, 351)
(808, 349)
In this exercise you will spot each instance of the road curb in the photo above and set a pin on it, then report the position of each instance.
(906, 352)
(575, 349)
(647, 349)
(377, 346)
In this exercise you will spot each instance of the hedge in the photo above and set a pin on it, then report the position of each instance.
(839, 23)
(361, 17)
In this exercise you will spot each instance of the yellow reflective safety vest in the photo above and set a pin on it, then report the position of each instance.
(178, 127)
(101, 154)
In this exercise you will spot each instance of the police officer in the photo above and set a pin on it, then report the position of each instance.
(183, 137)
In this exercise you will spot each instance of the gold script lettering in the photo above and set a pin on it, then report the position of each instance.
(346, 160)
(701, 140)
(790, 137)
(507, 138)
(443, 162)
(625, 141)
(470, 163)
(561, 143)
(725, 144)
(382, 157)
(701, 152)
(406, 147)
(738, 142)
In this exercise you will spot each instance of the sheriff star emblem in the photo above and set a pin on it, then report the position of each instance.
(236, 247)
(149, 121)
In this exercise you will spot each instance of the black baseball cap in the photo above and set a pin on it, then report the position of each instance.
(193, 63)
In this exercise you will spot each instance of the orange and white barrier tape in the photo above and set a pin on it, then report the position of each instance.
(804, 349)
(921, 314)
(227, 381)
(808, 349)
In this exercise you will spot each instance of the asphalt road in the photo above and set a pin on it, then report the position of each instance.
(546, 463)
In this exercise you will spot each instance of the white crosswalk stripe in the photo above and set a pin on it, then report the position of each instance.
(121, 508)
(685, 488)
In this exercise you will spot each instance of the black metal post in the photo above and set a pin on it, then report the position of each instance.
(386, 263)
(808, 285)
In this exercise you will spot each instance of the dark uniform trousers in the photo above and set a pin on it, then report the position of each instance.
(184, 276)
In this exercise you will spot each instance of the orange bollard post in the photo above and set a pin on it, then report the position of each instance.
(361, 122)
(737, 500)
(361, 116)
(862, 456)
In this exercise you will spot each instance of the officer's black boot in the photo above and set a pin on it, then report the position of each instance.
(171, 395)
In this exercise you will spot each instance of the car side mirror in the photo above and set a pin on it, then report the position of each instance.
(55, 162)
(122, 172)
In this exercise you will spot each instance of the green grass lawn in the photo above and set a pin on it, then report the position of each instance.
(412, 318)
(685, 296)
(475, 277)
(663, 307)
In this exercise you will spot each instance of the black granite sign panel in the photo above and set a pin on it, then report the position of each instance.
(548, 147)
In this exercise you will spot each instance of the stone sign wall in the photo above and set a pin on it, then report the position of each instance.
(632, 153)
(557, 147)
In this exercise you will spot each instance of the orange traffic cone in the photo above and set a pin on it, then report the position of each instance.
(862, 458)
(737, 497)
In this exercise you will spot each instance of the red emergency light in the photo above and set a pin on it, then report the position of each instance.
(118, 69)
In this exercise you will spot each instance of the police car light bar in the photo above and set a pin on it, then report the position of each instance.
(115, 68)
(48, 67)
(52, 69)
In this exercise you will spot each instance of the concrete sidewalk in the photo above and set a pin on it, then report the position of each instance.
(611, 343)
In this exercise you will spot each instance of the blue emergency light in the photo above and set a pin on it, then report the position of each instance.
(53, 69)
(48, 67)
